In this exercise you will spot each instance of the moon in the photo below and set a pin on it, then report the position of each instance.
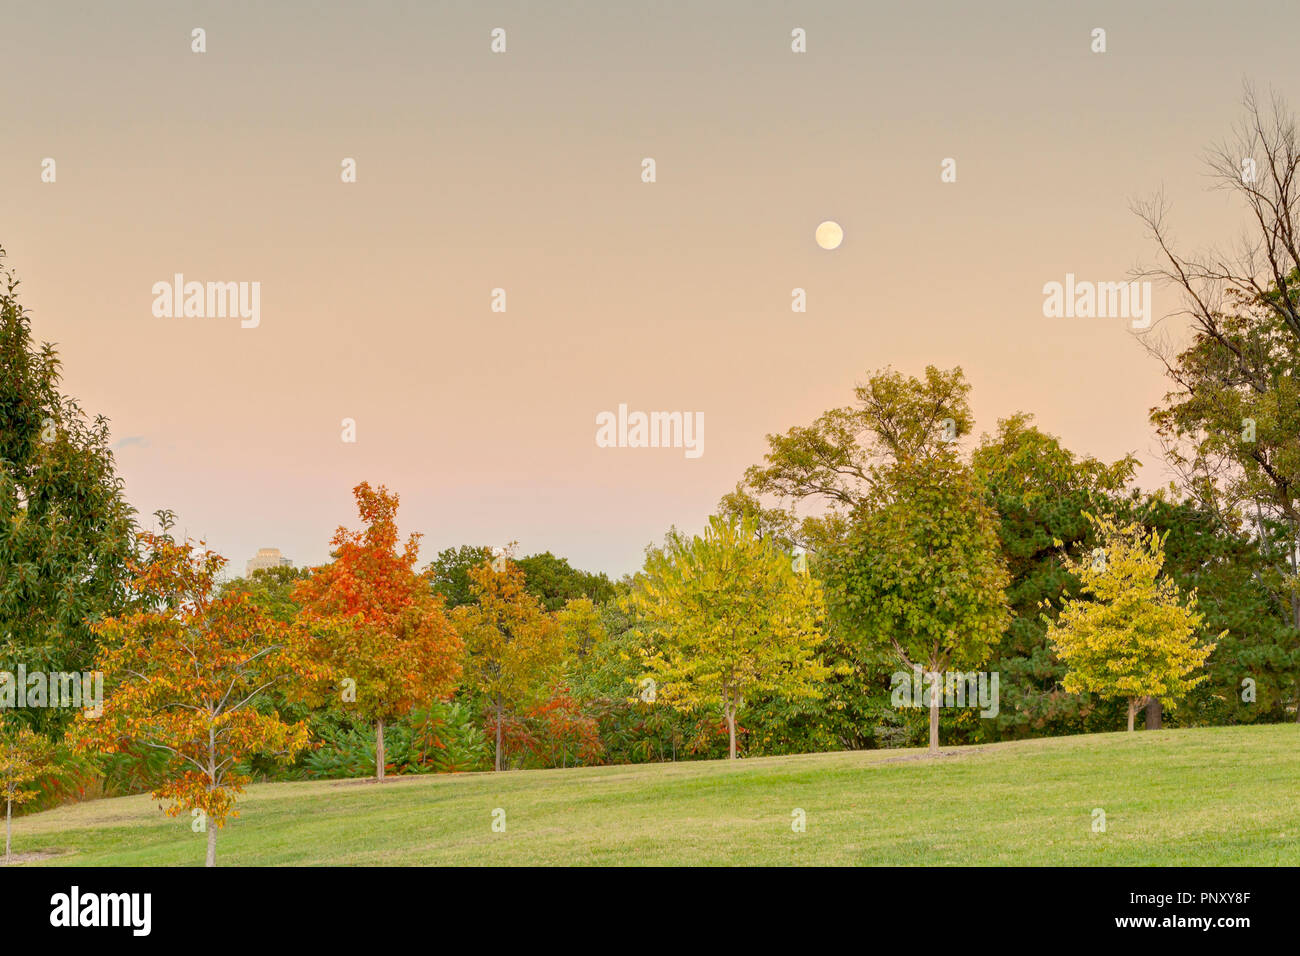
(829, 235)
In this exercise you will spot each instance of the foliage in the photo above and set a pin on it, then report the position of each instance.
(66, 531)
(1131, 633)
(378, 623)
(1260, 645)
(183, 674)
(448, 573)
(554, 582)
(24, 756)
(834, 462)
(729, 619)
(514, 648)
(1040, 492)
(271, 589)
(921, 572)
(439, 738)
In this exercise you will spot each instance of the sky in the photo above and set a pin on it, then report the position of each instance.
(523, 171)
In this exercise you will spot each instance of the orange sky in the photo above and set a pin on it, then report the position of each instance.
(522, 171)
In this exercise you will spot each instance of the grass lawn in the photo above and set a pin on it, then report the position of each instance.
(1217, 796)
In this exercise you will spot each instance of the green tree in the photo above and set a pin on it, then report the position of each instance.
(1041, 493)
(730, 620)
(1255, 666)
(554, 581)
(922, 573)
(1131, 634)
(834, 463)
(66, 532)
(449, 572)
(813, 482)
(272, 590)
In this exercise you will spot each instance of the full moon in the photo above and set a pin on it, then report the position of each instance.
(829, 235)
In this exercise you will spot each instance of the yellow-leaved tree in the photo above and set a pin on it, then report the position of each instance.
(1130, 632)
(513, 648)
(24, 756)
(729, 619)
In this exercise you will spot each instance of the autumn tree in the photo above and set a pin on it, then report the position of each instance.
(24, 756)
(513, 648)
(185, 676)
(379, 624)
(1131, 633)
(66, 531)
(729, 619)
(921, 571)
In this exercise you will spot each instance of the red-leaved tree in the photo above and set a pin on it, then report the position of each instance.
(381, 627)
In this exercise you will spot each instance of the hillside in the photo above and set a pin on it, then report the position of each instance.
(1218, 796)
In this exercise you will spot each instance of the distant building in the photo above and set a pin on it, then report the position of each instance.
(266, 558)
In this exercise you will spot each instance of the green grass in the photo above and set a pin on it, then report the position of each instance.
(1218, 796)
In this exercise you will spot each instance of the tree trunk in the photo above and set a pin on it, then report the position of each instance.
(379, 750)
(1132, 712)
(212, 785)
(934, 717)
(1154, 713)
(9, 819)
(731, 732)
(498, 758)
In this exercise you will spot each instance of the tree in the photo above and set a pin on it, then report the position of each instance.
(380, 624)
(729, 618)
(66, 532)
(1041, 493)
(1131, 633)
(513, 648)
(1231, 424)
(185, 675)
(551, 579)
(834, 463)
(1261, 165)
(1228, 574)
(922, 573)
(449, 572)
(554, 581)
(271, 589)
(24, 756)
(834, 466)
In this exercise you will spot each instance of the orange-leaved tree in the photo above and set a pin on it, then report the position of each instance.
(384, 632)
(185, 675)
